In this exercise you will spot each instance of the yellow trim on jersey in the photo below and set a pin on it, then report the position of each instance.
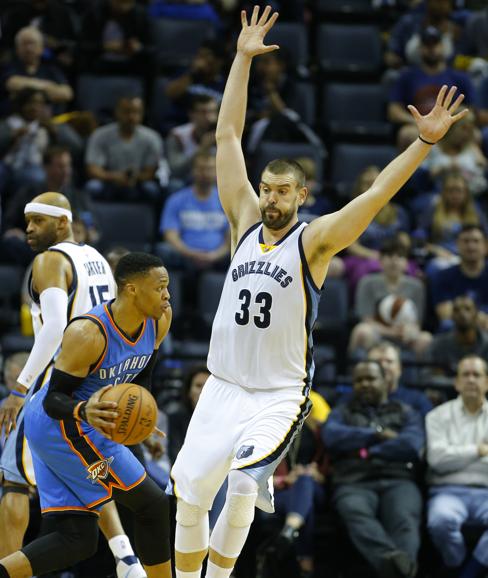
(267, 248)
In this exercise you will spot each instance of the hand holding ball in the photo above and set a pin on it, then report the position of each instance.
(137, 413)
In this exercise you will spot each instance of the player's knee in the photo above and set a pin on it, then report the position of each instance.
(187, 514)
(240, 509)
(80, 537)
(154, 513)
(241, 483)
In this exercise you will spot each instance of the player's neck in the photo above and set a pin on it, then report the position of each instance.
(126, 317)
(273, 236)
(66, 239)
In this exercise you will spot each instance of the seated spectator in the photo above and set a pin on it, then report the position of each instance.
(184, 10)
(183, 141)
(193, 224)
(475, 38)
(388, 356)
(466, 338)
(299, 490)
(375, 447)
(404, 40)
(272, 100)
(457, 452)
(12, 366)
(392, 221)
(399, 321)
(28, 71)
(470, 278)
(316, 204)
(440, 223)
(122, 157)
(52, 18)
(419, 85)
(204, 76)
(459, 150)
(24, 137)
(116, 38)
(58, 170)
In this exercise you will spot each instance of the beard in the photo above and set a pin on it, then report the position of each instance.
(278, 220)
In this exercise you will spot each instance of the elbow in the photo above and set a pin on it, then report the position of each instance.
(224, 135)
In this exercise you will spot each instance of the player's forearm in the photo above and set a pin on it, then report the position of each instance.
(232, 113)
(396, 174)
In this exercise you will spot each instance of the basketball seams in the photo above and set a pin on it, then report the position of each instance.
(140, 396)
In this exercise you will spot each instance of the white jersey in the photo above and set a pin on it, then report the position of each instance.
(261, 334)
(92, 283)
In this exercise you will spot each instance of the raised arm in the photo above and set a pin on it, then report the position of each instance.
(237, 196)
(331, 233)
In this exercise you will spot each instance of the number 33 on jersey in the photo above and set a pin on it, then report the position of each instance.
(268, 293)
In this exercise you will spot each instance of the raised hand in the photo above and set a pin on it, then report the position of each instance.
(250, 41)
(433, 126)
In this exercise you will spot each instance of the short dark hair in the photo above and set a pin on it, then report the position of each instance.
(24, 95)
(393, 247)
(198, 99)
(374, 362)
(53, 152)
(471, 227)
(134, 264)
(280, 166)
(473, 356)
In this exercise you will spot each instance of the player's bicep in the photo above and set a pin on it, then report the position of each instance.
(82, 346)
(50, 269)
(163, 326)
(237, 196)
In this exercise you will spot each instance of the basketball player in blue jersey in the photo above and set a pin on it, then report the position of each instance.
(67, 280)
(78, 467)
(260, 356)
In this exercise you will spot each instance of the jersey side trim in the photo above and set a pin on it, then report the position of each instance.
(246, 234)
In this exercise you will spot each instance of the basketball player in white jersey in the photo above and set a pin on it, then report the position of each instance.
(67, 280)
(260, 357)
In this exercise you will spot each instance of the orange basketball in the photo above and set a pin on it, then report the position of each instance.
(138, 413)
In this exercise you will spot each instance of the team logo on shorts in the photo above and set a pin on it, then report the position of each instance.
(244, 452)
(99, 470)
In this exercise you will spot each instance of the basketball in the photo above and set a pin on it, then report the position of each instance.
(138, 413)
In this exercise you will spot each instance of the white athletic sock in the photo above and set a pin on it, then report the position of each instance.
(120, 546)
(214, 571)
(196, 574)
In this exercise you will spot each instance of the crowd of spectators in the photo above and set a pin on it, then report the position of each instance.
(397, 480)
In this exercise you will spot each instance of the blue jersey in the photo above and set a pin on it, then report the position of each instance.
(123, 358)
(77, 467)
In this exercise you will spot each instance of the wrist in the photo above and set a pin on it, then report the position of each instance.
(425, 141)
(79, 412)
(18, 394)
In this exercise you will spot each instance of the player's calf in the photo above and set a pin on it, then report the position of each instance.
(14, 517)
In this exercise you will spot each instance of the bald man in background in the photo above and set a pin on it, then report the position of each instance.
(67, 280)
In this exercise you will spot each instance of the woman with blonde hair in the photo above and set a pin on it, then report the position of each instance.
(453, 208)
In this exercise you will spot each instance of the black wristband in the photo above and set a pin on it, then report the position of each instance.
(426, 141)
(82, 411)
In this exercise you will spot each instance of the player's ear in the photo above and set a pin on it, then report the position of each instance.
(302, 195)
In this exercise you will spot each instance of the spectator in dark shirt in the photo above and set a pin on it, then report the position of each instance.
(466, 338)
(419, 85)
(388, 356)
(470, 278)
(117, 38)
(375, 446)
(204, 76)
(29, 71)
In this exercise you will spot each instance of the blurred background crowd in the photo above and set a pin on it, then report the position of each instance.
(114, 103)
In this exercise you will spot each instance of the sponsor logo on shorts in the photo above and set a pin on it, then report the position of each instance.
(99, 470)
(244, 452)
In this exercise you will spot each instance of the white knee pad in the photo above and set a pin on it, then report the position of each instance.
(240, 509)
(188, 514)
(192, 531)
